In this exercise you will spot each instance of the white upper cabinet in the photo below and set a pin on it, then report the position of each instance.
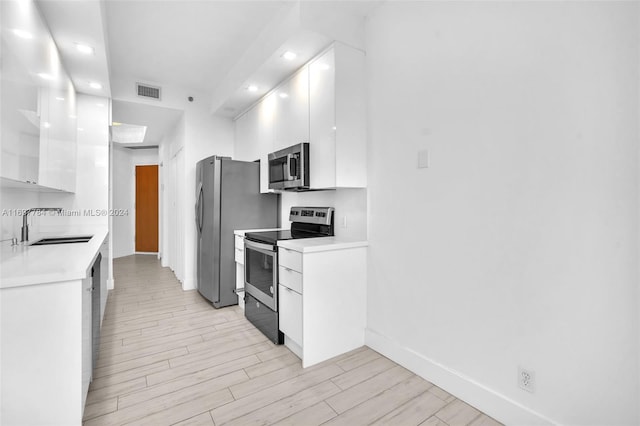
(292, 111)
(337, 147)
(323, 103)
(38, 120)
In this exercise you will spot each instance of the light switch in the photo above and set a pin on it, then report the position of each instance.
(423, 159)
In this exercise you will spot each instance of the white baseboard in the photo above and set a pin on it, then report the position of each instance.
(492, 403)
(188, 285)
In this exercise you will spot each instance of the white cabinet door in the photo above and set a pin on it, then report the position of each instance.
(39, 131)
(20, 120)
(290, 315)
(322, 113)
(337, 119)
(266, 112)
(292, 118)
(58, 136)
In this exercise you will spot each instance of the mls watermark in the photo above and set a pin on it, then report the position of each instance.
(67, 212)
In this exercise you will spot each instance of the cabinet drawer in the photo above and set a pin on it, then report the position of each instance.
(239, 242)
(290, 259)
(290, 278)
(290, 315)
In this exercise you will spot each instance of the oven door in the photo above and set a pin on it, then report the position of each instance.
(261, 273)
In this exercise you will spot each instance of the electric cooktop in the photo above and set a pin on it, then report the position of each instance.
(306, 222)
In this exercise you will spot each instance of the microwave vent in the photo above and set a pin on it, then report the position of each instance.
(146, 91)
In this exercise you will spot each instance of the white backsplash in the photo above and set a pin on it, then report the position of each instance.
(349, 203)
(12, 201)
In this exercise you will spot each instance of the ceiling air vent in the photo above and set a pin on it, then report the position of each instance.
(146, 91)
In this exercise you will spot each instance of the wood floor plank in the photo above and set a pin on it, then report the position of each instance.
(128, 375)
(110, 369)
(203, 419)
(267, 396)
(363, 372)
(413, 412)
(312, 416)
(181, 412)
(192, 383)
(358, 358)
(221, 362)
(274, 364)
(458, 413)
(266, 381)
(285, 407)
(381, 404)
(122, 388)
(369, 388)
(433, 421)
(100, 408)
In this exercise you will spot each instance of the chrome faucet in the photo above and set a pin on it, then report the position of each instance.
(25, 227)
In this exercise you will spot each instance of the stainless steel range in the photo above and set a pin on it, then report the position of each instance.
(261, 265)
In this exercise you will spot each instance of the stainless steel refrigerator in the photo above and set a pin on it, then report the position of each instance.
(227, 198)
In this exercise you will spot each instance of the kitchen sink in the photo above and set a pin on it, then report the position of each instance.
(62, 240)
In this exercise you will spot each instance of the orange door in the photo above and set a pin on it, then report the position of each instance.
(147, 208)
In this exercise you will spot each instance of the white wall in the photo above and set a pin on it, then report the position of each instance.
(349, 203)
(519, 244)
(205, 135)
(12, 201)
(125, 161)
(196, 136)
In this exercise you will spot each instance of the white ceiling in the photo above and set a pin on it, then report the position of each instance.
(159, 120)
(209, 48)
(187, 44)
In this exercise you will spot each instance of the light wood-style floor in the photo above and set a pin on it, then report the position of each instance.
(168, 357)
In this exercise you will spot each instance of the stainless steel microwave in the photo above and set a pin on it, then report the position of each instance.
(289, 168)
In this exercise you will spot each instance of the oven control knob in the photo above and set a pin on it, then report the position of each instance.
(271, 289)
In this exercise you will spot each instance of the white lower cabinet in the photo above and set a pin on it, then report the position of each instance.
(322, 297)
(290, 315)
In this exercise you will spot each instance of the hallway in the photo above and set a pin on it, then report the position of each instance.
(167, 357)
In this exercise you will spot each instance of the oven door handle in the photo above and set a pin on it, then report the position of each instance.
(260, 246)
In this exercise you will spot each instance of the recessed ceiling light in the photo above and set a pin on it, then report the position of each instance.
(73, 116)
(95, 85)
(46, 125)
(84, 48)
(289, 56)
(283, 95)
(59, 98)
(45, 76)
(23, 34)
(80, 129)
(100, 105)
(252, 88)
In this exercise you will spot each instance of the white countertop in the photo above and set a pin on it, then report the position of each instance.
(24, 265)
(314, 245)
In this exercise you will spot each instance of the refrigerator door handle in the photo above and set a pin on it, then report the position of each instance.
(199, 212)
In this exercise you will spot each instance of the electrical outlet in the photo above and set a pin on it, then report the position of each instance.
(527, 379)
